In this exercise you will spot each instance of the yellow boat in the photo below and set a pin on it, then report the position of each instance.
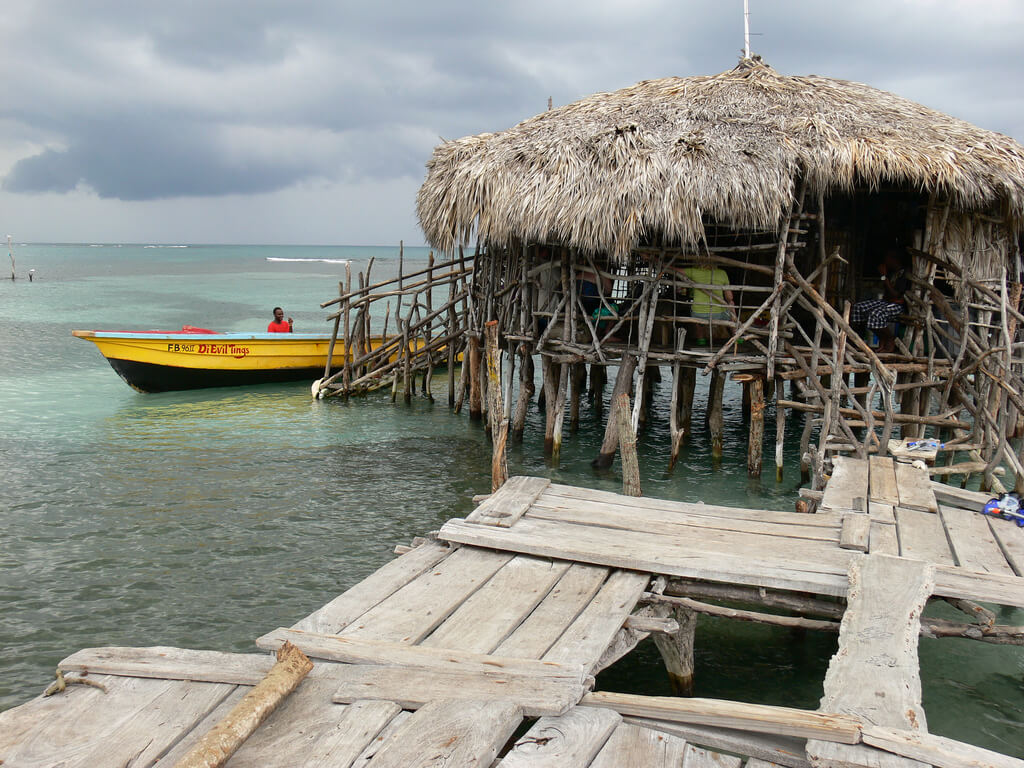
(162, 361)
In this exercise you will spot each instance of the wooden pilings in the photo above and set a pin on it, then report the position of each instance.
(676, 651)
(623, 384)
(495, 406)
(475, 386)
(627, 447)
(715, 417)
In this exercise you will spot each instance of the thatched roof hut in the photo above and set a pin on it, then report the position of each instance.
(660, 158)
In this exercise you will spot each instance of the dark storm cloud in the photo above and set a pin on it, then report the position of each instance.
(151, 100)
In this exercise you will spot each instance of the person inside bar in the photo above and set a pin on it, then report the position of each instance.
(879, 315)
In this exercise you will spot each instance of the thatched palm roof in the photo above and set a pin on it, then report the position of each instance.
(654, 158)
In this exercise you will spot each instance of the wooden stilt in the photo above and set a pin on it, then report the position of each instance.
(558, 411)
(780, 431)
(598, 382)
(551, 372)
(677, 651)
(716, 421)
(475, 395)
(756, 445)
(523, 398)
(579, 385)
(627, 447)
(623, 383)
(805, 448)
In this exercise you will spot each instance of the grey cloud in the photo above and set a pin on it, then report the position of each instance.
(382, 82)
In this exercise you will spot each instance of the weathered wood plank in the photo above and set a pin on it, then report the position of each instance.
(631, 746)
(379, 585)
(874, 674)
(136, 719)
(915, 488)
(776, 750)
(593, 630)
(951, 581)
(561, 495)
(213, 717)
(721, 537)
(855, 531)
(847, 489)
(922, 536)
(384, 738)
(535, 636)
(882, 513)
(413, 687)
(971, 539)
(937, 751)
(454, 660)
(494, 611)
(698, 757)
(759, 718)
(756, 763)
(450, 733)
(959, 497)
(825, 754)
(570, 741)
(672, 522)
(1011, 542)
(411, 613)
(883, 539)
(637, 550)
(506, 505)
(161, 662)
(309, 731)
(882, 480)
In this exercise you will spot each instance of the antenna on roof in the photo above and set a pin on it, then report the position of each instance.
(746, 29)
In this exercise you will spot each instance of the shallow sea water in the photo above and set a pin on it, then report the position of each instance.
(203, 519)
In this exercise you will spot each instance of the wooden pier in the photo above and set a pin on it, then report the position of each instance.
(479, 647)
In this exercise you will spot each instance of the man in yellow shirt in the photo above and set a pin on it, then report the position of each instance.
(708, 303)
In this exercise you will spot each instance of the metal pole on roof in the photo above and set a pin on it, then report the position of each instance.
(746, 29)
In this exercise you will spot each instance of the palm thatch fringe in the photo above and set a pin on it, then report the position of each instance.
(659, 157)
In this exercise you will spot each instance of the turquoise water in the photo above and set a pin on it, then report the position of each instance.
(203, 519)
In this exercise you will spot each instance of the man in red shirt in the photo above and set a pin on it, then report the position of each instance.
(280, 325)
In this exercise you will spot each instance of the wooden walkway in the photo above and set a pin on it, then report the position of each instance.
(448, 653)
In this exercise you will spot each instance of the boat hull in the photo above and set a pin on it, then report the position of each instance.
(164, 362)
(149, 377)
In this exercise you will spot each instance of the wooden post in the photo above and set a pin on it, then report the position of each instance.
(495, 407)
(475, 399)
(780, 429)
(579, 385)
(347, 380)
(805, 448)
(598, 382)
(499, 461)
(677, 651)
(558, 412)
(551, 372)
(623, 383)
(627, 447)
(526, 373)
(334, 339)
(492, 354)
(398, 314)
(716, 421)
(756, 446)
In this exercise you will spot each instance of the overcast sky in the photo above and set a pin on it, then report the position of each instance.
(302, 121)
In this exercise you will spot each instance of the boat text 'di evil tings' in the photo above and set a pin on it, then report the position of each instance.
(209, 349)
